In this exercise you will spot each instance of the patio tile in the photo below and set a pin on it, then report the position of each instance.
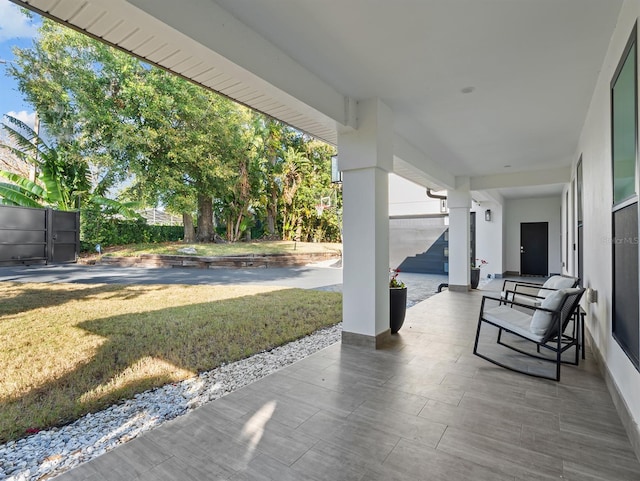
(508, 458)
(328, 462)
(486, 424)
(395, 423)
(265, 468)
(419, 462)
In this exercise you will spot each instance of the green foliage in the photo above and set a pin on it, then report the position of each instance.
(62, 178)
(180, 146)
(97, 227)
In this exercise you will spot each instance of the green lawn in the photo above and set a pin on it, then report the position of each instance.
(69, 349)
(234, 248)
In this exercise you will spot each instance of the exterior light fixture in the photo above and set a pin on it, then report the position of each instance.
(336, 174)
(487, 215)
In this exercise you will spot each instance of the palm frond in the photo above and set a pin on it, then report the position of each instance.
(25, 184)
(10, 194)
(20, 154)
(25, 137)
(125, 209)
(51, 181)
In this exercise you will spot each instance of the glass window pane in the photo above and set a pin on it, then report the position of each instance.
(624, 130)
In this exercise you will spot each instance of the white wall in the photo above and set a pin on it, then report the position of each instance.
(408, 198)
(543, 209)
(489, 239)
(595, 148)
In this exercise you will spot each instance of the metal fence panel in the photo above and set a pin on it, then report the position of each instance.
(32, 236)
(66, 236)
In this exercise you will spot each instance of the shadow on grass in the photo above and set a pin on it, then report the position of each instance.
(41, 297)
(193, 338)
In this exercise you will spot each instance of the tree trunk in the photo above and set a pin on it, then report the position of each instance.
(189, 230)
(272, 210)
(298, 236)
(205, 231)
(236, 233)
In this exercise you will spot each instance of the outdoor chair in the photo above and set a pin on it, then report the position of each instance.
(532, 293)
(525, 338)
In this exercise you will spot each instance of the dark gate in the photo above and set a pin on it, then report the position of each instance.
(33, 236)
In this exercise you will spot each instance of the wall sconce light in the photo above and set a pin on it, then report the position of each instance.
(487, 215)
(336, 174)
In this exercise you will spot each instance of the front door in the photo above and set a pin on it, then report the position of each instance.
(534, 248)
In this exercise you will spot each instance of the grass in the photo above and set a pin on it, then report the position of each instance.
(234, 248)
(70, 349)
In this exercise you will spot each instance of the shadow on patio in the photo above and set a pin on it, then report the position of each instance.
(422, 408)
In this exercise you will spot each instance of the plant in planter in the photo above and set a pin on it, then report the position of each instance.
(397, 301)
(475, 272)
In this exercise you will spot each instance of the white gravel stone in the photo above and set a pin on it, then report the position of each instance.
(49, 453)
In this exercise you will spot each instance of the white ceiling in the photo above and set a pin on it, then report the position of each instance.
(531, 66)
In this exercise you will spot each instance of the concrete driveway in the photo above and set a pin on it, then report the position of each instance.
(420, 286)
(303, 277)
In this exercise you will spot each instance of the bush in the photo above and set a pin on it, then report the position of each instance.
(97, 227)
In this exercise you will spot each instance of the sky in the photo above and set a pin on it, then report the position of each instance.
(15, 30)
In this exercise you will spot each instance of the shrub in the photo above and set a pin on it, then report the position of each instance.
(97, 227)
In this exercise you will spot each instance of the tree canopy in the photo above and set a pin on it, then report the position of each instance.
(168, 142)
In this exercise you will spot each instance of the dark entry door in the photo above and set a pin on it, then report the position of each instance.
(534, 248)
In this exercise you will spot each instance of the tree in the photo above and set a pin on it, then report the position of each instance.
(62, 178)
(63, 181)
(175, 144)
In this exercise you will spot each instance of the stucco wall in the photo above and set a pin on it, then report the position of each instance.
(407, 198)
(595, 148)
(543, 209)
(489, 240)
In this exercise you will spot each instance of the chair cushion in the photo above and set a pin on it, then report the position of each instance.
(559, 282)
(526, 300)
(513, 320)
(541, 320)
(520, 298)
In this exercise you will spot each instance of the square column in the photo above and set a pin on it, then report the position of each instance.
(459, 204)
(366, 158)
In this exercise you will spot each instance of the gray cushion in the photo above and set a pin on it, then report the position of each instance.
(541, 320)
(527, 300)
(512, 319)
(559, 282)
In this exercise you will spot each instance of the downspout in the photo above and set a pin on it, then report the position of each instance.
(435, 196)
(439, 197)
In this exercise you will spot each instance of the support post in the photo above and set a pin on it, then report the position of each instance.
(365, 156)
(459, 203)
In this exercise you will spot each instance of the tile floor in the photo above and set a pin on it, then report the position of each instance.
(423, 408)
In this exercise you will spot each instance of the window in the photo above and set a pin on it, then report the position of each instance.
(626, 297)
(624, 124)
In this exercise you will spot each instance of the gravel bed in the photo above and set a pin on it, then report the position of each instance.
(48, 453)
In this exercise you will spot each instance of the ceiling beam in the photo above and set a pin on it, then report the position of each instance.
(522, 179)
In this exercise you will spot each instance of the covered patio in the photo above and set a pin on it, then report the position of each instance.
(422, 407)
(504, 102)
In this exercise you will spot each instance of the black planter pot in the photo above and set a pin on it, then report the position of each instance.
(397, 307)
(475, 278)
